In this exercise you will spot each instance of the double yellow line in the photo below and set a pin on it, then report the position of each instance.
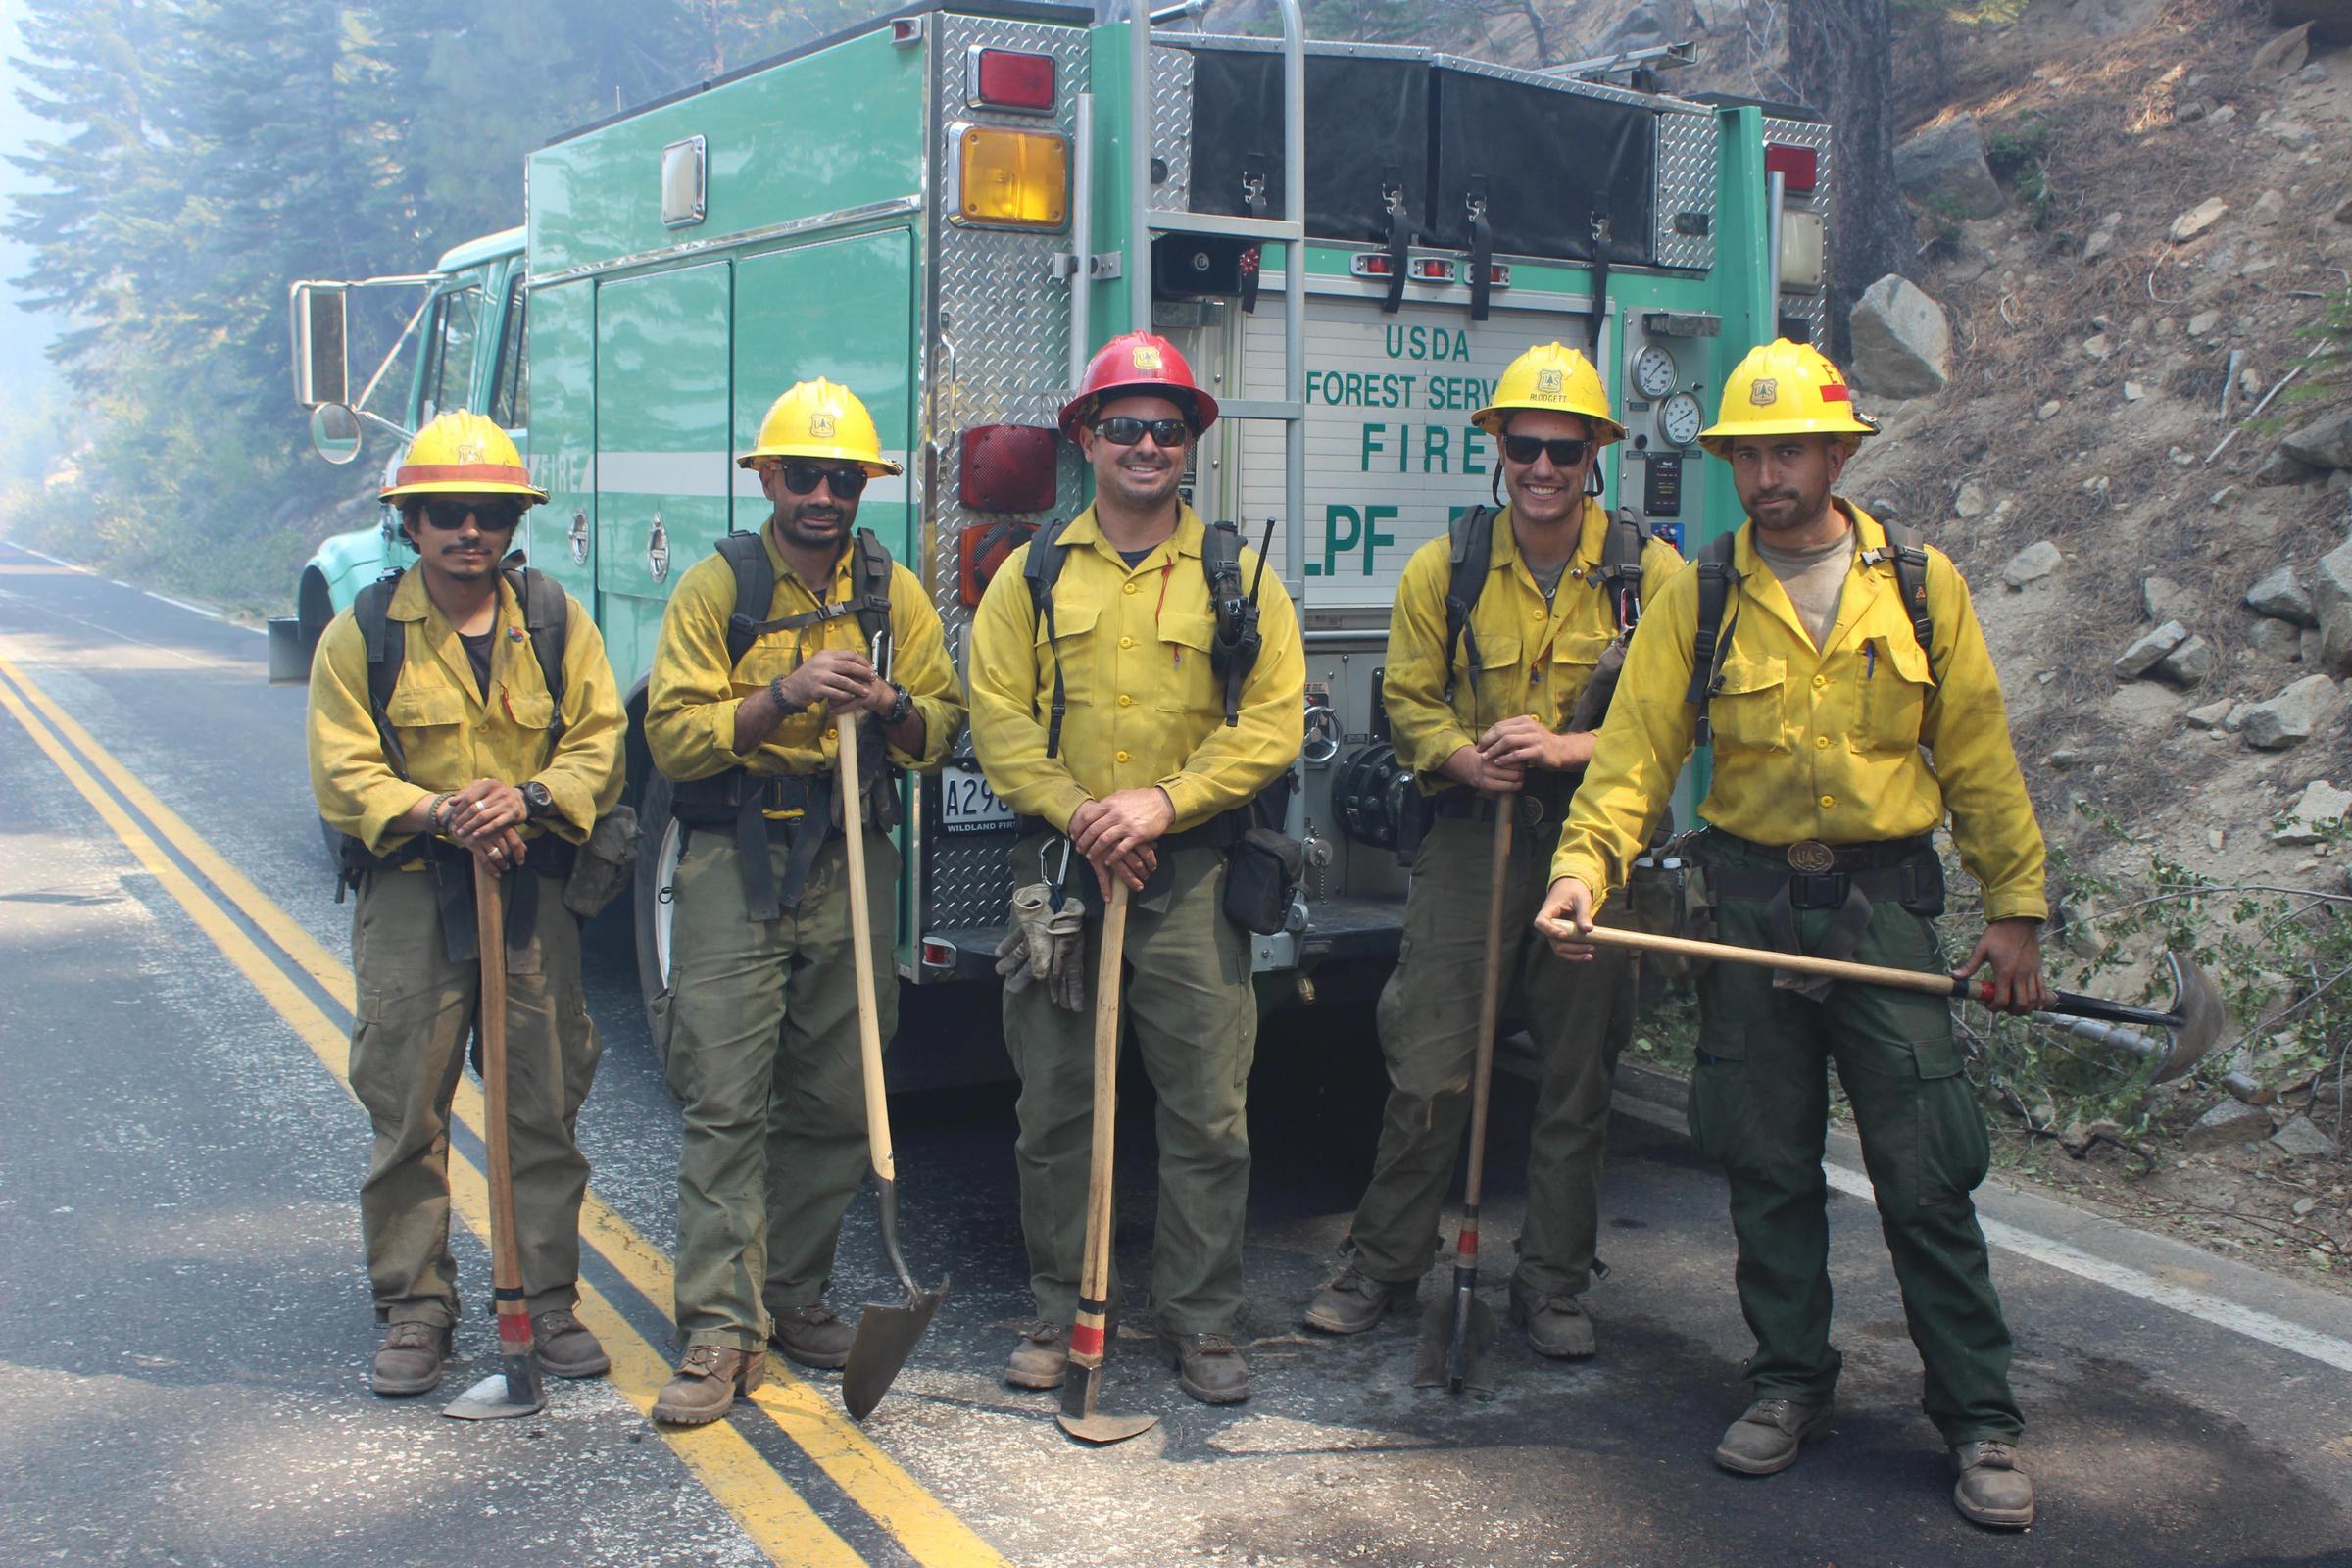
(776, 1518)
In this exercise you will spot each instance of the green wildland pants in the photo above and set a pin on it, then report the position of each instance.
(1581, 1016)
(1192, 1015)
(415, 1016)
(761, 1024)
(1759, 1105)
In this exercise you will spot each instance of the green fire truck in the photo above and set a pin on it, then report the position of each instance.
(950, 207)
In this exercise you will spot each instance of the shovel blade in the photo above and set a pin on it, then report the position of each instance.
(496, 1397)
(1446, 1359)
(886, 1337)
(1081, 1420)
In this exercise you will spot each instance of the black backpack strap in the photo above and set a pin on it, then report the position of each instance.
(755, 588)
(1711, 639)
(1620, 574)
(387, 648)
(1471, 549)
(1910, 560)
(869, 586)
(547, 616)
(1041, 571)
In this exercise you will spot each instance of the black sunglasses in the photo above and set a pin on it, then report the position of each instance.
(1565, 454)
(847, 484)
(1125, 432)
(491, 517)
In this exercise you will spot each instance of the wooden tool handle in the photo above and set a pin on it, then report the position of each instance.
(1087, 1348)
(861, 950)
(1942, 985)
(506, 1253)
(1490, 995)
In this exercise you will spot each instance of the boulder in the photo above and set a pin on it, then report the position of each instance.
(2277, 639)
(2196, 221)
(2302, 1139)
(2310, 816)
(1944, 168)
(1969, 502)
(2330, 21)
(2232, 1117)
(2036, 562)
(2268, 207)
(2161, 599)
(2281, 468)
(2292, 716)
(2281, 596)
(2188, 663)
(2283, 55)
(2209, 716)
(1902, 342)
(2203, 322)
(2324, 443)
(2144, 654)
(1641, 27)
(2098, 346)
(2332, 606)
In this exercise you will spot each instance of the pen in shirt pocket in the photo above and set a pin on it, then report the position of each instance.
(1870, 661)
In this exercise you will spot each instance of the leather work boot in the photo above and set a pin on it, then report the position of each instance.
(408, 1361)
(1355, 1302)
(1991, 1489)
(1766, 1440)
(1042, 1357)
(813, 1336)
(1208, 1367)
(566, 1348)
(706, 1382)
(1556, 1325)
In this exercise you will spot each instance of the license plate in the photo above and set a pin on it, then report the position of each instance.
(966, 805)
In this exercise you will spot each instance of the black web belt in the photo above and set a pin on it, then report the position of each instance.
(451, 871)
(1848, 878)
(754, 796)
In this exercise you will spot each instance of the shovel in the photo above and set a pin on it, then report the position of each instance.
(1089, 1343)
(513, 1391)
(2195, 1020)
(886, 1335)
(1457, 1328)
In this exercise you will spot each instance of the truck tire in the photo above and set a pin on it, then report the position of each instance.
(661, 839)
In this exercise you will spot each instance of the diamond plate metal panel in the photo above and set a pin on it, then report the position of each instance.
(996, 344)
(1685, 183)
(1172, 122)
(1811, 306)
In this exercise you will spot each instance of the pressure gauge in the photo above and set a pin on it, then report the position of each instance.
(1654, 372)
(1679, 418)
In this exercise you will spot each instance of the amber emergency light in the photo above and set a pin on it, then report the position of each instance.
(1011, 179)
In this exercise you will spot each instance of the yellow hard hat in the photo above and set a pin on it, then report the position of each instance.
(1554, 378)
(821, 419)
(1784, 388)
(461, 453)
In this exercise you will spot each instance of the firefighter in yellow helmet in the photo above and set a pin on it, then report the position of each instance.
(1499, 714)
(464, 712)
(1853, 710)
(766, 648)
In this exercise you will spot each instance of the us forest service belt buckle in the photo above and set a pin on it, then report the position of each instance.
(1812, 857)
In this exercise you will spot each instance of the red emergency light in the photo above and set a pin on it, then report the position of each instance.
(1369, 265)
(1800, 167)
(1006, 79)
(1429, 269)
(1007, 468)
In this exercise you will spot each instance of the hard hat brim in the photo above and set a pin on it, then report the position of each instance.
(399, 491)
(1075, 411)
(1605, 430)
(766, 456)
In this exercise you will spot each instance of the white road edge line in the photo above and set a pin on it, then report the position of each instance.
(179, 603)
(2221, 1314)
(69, 566)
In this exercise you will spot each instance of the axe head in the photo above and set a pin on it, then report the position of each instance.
(2202, 1018)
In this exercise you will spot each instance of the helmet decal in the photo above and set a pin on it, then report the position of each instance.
(1147, 357)
(1551, 383)
(1764, 392)
(820, 425)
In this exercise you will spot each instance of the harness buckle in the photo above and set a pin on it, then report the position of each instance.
(1815, 891)
(1811, 854)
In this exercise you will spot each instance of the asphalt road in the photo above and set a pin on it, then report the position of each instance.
(185, 1327)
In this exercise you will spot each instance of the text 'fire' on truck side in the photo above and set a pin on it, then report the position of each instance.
(1347, 241)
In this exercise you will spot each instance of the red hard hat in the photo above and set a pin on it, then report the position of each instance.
(1138, 362)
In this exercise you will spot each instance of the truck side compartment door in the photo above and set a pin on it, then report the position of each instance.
(662, 463)
(561, 334)
(844, 310)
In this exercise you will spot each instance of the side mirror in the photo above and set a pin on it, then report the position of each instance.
(335, 434)
(321, 362)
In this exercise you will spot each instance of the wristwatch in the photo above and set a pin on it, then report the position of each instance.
(784, 705)
(902, 708)
(536, 800)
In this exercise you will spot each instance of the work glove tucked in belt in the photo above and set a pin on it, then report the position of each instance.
(1044, 945)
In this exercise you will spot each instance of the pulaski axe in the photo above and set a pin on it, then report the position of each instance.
(886, 1335)
(2195, 1020)
(513, 1391)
